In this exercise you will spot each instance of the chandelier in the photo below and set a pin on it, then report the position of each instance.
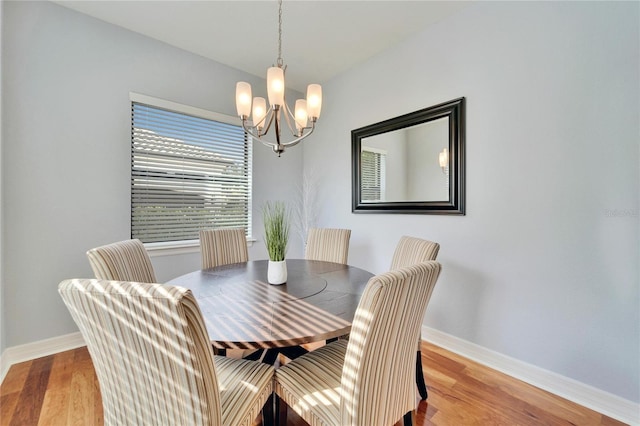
(300, 123)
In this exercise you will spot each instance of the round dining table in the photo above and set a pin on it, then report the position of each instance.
(243, 311)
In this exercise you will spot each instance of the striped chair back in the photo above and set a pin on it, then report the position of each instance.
(223, 247)
(377, 385)
(150, 350)
(329, 245)
(122, 261)
(411, 250)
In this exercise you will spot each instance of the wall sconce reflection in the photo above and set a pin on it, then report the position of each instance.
(443, 157)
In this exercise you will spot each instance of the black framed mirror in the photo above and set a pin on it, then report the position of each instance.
(413, 163)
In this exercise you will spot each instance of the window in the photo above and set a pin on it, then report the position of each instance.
(190, 170)
(373, 174)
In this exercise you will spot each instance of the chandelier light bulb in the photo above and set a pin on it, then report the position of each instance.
(243, 98)
(314, 101)
(301, 114)
(275, 86)
(259, 112)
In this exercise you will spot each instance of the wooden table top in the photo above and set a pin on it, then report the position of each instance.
(242, 311)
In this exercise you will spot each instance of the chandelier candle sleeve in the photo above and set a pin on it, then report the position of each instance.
(243, 98)
(259, 112)
(275, 86)
(314, 101)
(301, 115)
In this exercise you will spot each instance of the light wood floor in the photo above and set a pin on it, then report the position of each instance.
(62, 390)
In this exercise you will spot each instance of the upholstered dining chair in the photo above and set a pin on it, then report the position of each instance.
(409, 251)
(367, 380)
(412, 250)
(327, 244)
(223, 246)
(154, 361)
(122, 261)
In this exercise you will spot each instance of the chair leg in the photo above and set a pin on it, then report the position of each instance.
(408, 418)
(422, 386)
(268, 415)
(293, 352)
(280, 411)
(270, 356)
(255, 355)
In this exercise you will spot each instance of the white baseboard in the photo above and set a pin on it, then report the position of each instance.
(21, 353)
(598, 400)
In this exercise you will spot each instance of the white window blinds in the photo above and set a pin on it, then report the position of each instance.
(187, 173)
(373, 171)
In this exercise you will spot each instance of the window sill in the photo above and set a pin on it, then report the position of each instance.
(172, 248)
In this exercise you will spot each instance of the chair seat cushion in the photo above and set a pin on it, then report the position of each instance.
(313, 380)
(244, 388)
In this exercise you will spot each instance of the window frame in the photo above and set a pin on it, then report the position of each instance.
(191, 246)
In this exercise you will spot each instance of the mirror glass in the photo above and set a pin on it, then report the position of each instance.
(412, 163)
(409, 168)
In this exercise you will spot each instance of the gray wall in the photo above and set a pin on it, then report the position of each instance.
(544, 266)
(66, 151)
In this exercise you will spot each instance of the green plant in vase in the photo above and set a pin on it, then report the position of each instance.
(276, 220)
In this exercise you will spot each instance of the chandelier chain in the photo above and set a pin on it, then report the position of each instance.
(280, 62)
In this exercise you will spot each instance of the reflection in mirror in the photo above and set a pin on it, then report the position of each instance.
(413, 163)
(405, 165)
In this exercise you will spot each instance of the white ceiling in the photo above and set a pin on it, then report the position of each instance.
(321, 38)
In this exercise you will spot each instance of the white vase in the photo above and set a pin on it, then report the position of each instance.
(277, 272)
